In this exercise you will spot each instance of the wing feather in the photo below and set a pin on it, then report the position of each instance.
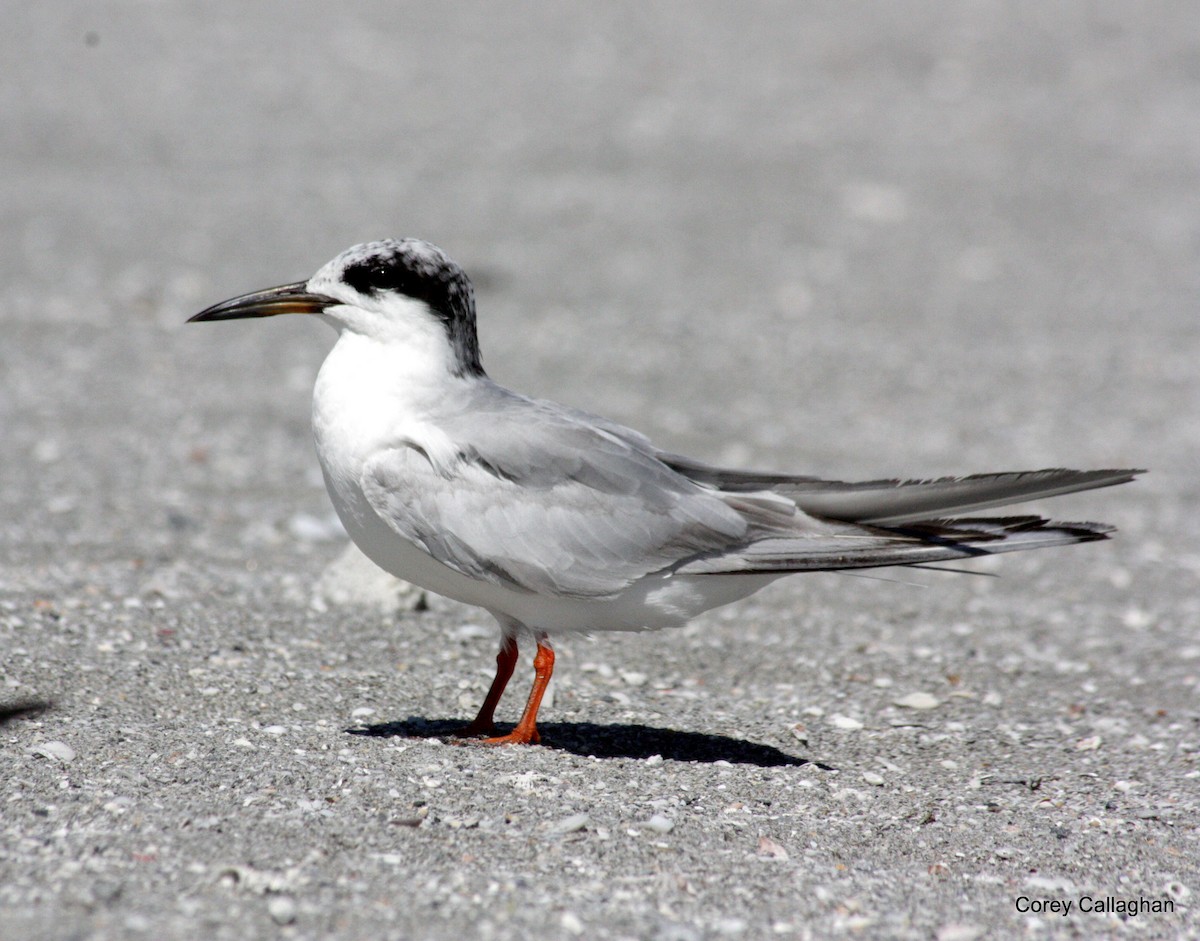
(542, 501)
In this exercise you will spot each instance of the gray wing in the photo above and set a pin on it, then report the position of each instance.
(541, 499)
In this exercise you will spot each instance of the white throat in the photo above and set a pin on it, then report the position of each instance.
(373, 394)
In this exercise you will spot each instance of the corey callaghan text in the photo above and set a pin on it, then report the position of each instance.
(1089, 904)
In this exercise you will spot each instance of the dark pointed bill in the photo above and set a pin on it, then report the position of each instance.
(285, 299)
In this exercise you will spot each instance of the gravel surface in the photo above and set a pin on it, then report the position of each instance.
(849, 240)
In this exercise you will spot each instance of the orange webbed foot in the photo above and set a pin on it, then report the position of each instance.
(517, 736)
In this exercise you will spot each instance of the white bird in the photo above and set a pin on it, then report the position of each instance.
(555, 520)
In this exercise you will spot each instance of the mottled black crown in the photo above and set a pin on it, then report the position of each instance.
(425, 273)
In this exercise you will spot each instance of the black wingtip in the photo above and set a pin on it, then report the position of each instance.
(1083, 532)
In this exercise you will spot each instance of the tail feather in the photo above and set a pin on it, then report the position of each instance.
(921, 542)
(893, 502)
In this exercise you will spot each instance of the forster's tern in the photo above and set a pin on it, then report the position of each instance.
(556, 520)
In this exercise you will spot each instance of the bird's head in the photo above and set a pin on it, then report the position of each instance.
(403, 291)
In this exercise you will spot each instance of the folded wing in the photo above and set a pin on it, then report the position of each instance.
(546, 503)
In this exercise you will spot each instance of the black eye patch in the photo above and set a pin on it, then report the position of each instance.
(438, 285)
(374, 275)
(424, 273)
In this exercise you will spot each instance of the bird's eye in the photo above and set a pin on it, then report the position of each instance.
(379, 275)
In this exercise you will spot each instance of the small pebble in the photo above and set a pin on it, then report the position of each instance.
(1136, 619)
(281, 909)
(917, 701)
(872, 778)
(571, 824)
(59, 751)
(659, 824)
(844, 722)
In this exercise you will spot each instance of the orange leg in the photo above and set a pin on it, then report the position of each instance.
(526, 732)
(506, 661)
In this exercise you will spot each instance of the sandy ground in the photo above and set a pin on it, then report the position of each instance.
(856, 241)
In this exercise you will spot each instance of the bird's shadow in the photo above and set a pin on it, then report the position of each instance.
(591, 739)
(23, 709)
